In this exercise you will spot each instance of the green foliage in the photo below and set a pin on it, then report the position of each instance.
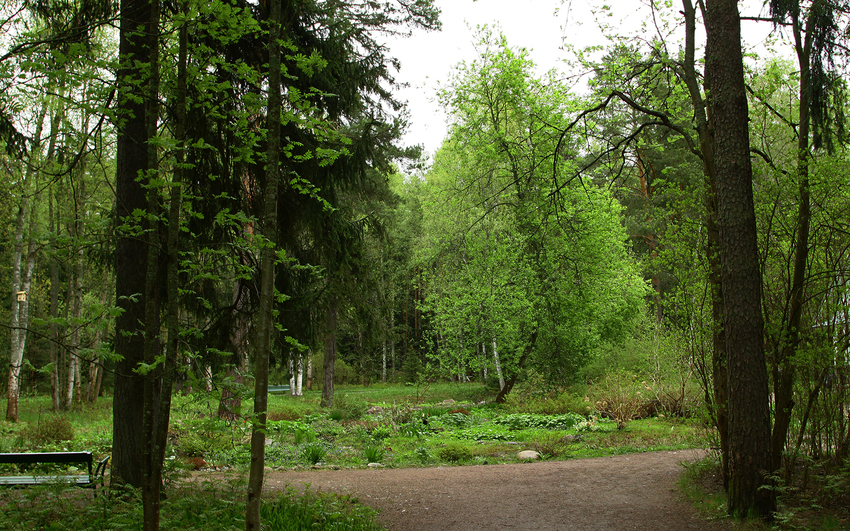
(314, 452)
(551, 445)
(379, 433)
(454, 453)
(373, 454)
(61, 507)
(411, 430)
(422, 454)
(456, 420)
(50, 429)
(485, 433)
(349, 407)
(519, 421)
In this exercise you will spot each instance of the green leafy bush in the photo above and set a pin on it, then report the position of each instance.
(484, 433)
(454, 453)
(410, 430)
(314, 452)
(379, 433)
(422, 454)
(521, 421)
(373, 454)
(457, 420)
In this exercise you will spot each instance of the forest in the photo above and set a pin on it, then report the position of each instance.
(215, 197)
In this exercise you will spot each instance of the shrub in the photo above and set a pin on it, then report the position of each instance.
(373, 454)
(551, 444)
(521, 421)
(303, 434)
(410, 430)
(619, 396)
(379, 433)
(422, 454)
(457, 420)
(454, 453)
(51, 429)
(314, 452)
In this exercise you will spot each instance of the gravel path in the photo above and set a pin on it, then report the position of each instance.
(636, 491)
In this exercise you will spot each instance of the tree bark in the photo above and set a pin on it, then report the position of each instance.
(749, 415)
(330, 353)
(20, 280)
(266, 323)
(131, 253)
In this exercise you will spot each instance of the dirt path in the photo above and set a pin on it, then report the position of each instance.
(635, 491)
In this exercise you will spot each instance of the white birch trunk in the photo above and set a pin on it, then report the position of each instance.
(299, 375)
(292, 390)
(498, 365)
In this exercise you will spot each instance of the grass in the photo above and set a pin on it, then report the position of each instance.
(201, 507)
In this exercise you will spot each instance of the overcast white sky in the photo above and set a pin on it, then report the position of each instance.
(427, 58)
(542, 26)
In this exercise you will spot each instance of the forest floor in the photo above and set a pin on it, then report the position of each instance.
(635, 491)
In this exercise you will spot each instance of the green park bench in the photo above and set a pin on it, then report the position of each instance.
(91, 480)
(278, 389)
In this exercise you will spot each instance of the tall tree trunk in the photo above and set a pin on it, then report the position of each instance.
(162, 413)
(749, 414)
(153, 389)
(20, 308)
(230, 403)
(784, 368)
(261, 368)
(330, 353)
(54, 304)
(131, 253)
(498, 365)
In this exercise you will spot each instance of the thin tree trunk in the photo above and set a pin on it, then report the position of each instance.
(299, 375)
(498, 365)
(784, 367)
(309, 369)
(330, 353)
(20, 309)
(266, 323)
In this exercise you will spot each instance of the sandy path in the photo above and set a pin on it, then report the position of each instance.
(636, 491)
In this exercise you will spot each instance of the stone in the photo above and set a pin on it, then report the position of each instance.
(375, 465)
(528, 454)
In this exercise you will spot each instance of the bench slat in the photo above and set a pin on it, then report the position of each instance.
(41, 480)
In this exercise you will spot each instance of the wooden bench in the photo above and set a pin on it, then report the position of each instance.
(81, 480)
(278, 389)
